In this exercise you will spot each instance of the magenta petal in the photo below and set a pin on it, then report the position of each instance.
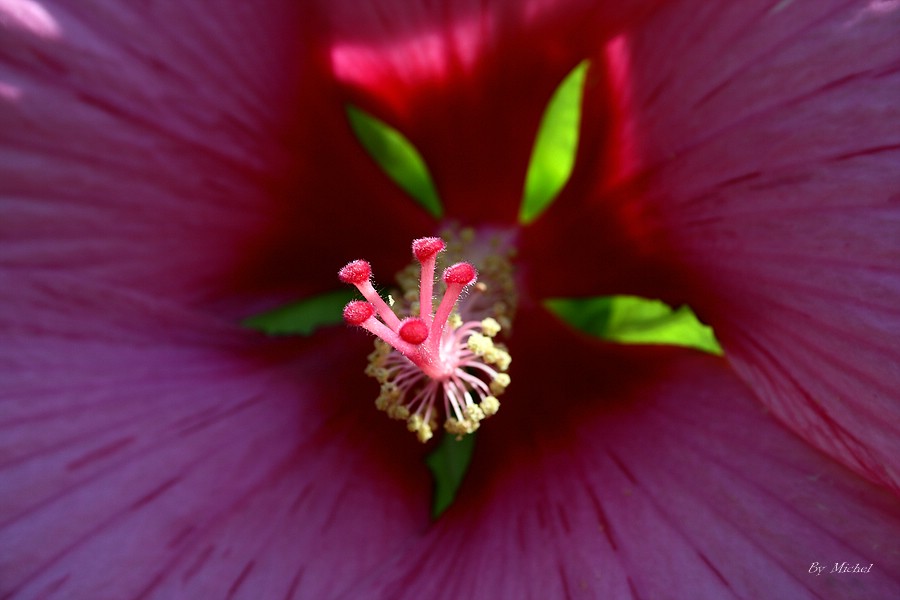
(765, 140)
(177, 149)
(146, 448)
(680, 487)
(140, 137)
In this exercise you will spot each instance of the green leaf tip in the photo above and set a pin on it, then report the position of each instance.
(634, 320)
(397, 157)
(448, 464)
(302, 317)
(555, 146)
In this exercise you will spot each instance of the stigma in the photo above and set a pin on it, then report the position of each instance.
(431, 364)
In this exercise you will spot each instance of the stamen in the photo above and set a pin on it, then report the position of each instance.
(421, 358)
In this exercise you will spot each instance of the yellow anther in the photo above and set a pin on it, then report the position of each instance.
(414, 423)
(480, 344)
(460, 428)
(455, 321)
(499, 357)
(380, 353)
(474, 413)
(398, 411)
(454, 426)
(500, 383)
(490, 327)
(424, 433)
(389, 396)
(489, 406)
(379, 374)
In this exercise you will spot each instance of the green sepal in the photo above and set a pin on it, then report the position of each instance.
(555, 146)
(634, 320)
(397, 157)
(302, 317)
(448, 464)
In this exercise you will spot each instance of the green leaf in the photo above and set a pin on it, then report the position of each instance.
(397, 157)
(303, 317)
(633, 320)
(555, 147)
(449, 463)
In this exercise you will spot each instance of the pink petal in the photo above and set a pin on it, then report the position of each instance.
(768, 136)
(141, 138)
(147, 448)
(176, 149)
(666, 481)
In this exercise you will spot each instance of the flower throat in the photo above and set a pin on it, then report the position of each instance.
(432, 352)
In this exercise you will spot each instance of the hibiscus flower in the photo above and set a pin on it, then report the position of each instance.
(169, 169)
